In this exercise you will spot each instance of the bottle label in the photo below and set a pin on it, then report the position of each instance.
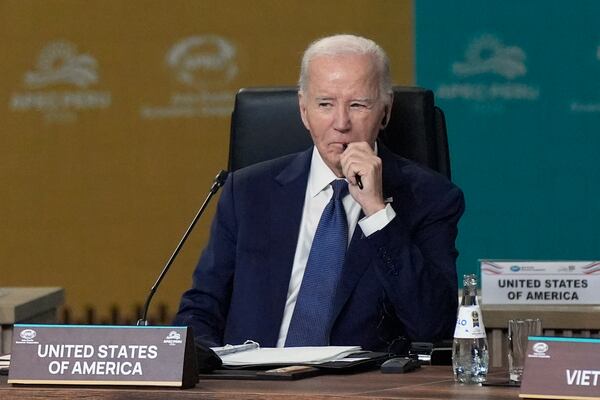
(469, 323)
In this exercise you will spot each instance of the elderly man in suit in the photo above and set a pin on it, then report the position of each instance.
(342, 244)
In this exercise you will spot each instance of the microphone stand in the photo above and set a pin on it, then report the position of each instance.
(218, 182)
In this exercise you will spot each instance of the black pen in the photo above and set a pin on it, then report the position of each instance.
(356, 176)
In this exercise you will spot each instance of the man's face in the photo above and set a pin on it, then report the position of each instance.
(342, 104)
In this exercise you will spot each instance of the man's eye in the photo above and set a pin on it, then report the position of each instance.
(324, 104)
(358, 105)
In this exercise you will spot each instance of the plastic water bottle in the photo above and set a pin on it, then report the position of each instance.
(470, 357)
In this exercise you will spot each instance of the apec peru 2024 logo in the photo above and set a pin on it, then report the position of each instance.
(489, 71)
(58, 85)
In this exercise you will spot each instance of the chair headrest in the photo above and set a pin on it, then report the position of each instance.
(266, 124)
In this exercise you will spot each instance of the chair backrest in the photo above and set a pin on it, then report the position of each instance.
(266, 124)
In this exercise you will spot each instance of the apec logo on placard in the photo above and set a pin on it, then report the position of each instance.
(526, 268)
(60, 65)
(493, 65)
(539, 350)
(27, 337)
(173, 338)
(205, 67)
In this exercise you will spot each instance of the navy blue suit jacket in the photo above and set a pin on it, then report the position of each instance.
(398, 282)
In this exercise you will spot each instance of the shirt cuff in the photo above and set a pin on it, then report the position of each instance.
(377, 221)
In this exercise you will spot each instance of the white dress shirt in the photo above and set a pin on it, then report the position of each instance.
(318, 194)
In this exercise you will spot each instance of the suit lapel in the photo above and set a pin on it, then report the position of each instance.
(357, 257)
(286, 203)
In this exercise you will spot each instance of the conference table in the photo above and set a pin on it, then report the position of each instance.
(429, 382)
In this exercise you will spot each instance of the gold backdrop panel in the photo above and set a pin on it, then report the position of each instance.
(115, 119)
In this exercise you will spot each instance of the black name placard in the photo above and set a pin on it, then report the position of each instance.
(103, 355)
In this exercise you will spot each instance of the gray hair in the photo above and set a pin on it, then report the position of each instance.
(343, 45)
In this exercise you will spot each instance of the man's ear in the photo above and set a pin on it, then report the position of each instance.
(387, 112)
(302, 105)
(386, 117)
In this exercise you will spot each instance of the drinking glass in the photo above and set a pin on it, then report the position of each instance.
(518, 331)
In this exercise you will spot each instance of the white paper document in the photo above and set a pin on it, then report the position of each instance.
(288, 355)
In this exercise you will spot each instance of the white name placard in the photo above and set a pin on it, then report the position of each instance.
(540, 282)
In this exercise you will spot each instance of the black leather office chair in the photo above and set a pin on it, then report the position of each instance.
(266, 124)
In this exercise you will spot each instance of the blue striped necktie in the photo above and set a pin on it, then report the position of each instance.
(312, 317)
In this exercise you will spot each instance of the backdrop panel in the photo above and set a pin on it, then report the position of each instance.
(520, 85)
(115, 119)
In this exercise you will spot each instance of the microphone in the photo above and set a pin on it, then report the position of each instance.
(217, 183)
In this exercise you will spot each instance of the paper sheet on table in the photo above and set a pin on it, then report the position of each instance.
(288, 355)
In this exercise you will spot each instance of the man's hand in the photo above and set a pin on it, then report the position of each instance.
(360, 159)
